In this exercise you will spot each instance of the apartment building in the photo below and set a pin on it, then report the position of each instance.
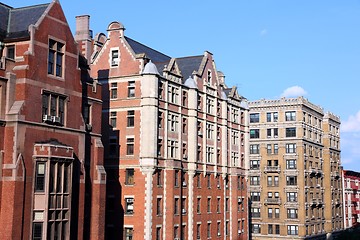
(294, 183)
(52, 181)
(351, 198)
(174, 139)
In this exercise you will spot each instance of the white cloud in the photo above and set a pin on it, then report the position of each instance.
(263, 32)
(294, 91)
(350, 151)
(352, 124)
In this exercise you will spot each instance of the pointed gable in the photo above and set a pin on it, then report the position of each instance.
(189, 65)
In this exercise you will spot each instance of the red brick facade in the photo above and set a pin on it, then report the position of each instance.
(351, 193)
(52, 180)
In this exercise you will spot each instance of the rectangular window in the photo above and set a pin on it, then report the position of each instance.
(130, 118)
(130, 146)
(53, 108)
(255, 196)
(173, 122)
(270, 212)
(218, 229)
(172, 148)
(291, 196)
(291, 164)
(37, 231)
(254, 117)
(198, 205)
(129, 205)
(268, 117)
(290, 148)
(276, 148)
(291, 180)
(290, 116)
(158, 233)
(254, 149)
(269, 181)
(218, 205)
(129, 176)
(198, 231)
(256, 228)
(292, 230)
(131, 89)
(114, 58)
(55, 58)
(208, 205)
(173, 94)
(10, 54)
(129, 235)
(113, 91)
(277, 229)
(227, 207)
(291, 132)
(176, 206)
(113, 119)
(40, 177)
(268, 148)
(255, 180)
(254, 133)
(270, 229)
(208, 230)
(277, 212)
(255, 164)
(255, 212)
(158, 206)
(292, 213)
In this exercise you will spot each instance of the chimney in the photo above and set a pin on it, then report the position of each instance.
(83, 35)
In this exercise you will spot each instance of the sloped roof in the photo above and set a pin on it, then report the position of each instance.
(14, 22)
(188, 65)
(154, 55)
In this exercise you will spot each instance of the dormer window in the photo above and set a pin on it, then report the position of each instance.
(209, 75)
(114, 58)
(10, 52)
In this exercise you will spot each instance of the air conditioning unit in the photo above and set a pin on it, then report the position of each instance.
(53, 118)
(46, 118)
(183, 211)
(184, 184)
(129, 200)
(200, 134)
(239, 231)
(176, 238)
(115, 62)
(56, 119)
(185, 156)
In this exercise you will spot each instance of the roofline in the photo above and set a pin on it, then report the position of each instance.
(6, 5)
(148, 47)
(189, 57)
(30, 6)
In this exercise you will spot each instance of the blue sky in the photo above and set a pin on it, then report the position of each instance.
(267, 48)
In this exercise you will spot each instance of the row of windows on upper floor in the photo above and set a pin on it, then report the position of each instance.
(289, 132)
(236, 115)
(236, 159)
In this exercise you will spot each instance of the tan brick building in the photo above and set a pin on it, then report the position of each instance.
(52, 181)
(174, 137)
(294, 182)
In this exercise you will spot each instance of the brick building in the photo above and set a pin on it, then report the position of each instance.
(52, 179)
(295, 186)
(174, 139)
(351, 187)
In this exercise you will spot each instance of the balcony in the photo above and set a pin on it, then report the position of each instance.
(272, 169)
(272, 201)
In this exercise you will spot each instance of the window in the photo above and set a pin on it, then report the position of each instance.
(291, 180)
(176, 178)
(55, 58)
(227, 208)
(292, 213)
(290, 116)
(131, 89)
(276, 181)
(291, 196)
(277, 212)
(176, 206)
(113, 119)
(37, 231)
(198, 205)
(208, 230)
(276, 148)
(277, 229)
(129, 176)
(208, 205)
(270, 212)
(291, 164)
(270, 229)
(210, 105)
(268, 148)
(254, 149)
(129, 234)
(130, 118)
(183, 205)
(290, 148)
(184, 98)
(173, 94)
(53, 108)
(218, 228)
(255, 212)
(218, 205)
(254, 117)
(113, 91)
(255, 196)
(114, 58)
(292, 230)
(209, 130)
(291, 132)
(158, 178)
(40, 177)
(129, 205)
(255, 164)
(130, 146)
(255, 180)
(160, 147)
(254, 133)
(256, 228)
(160, 119)
(173, 122)
(158, 233)
(269, 181)
(172, 148)
(184, 125)
(198, 231)
(158, 206)
(10, 52)
(59, 199)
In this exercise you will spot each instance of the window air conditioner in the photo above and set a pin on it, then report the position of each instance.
(46, 118)
(183, 211)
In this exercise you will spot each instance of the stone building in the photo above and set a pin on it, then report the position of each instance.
(52, 179)
(294, 182)
(174, 139)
